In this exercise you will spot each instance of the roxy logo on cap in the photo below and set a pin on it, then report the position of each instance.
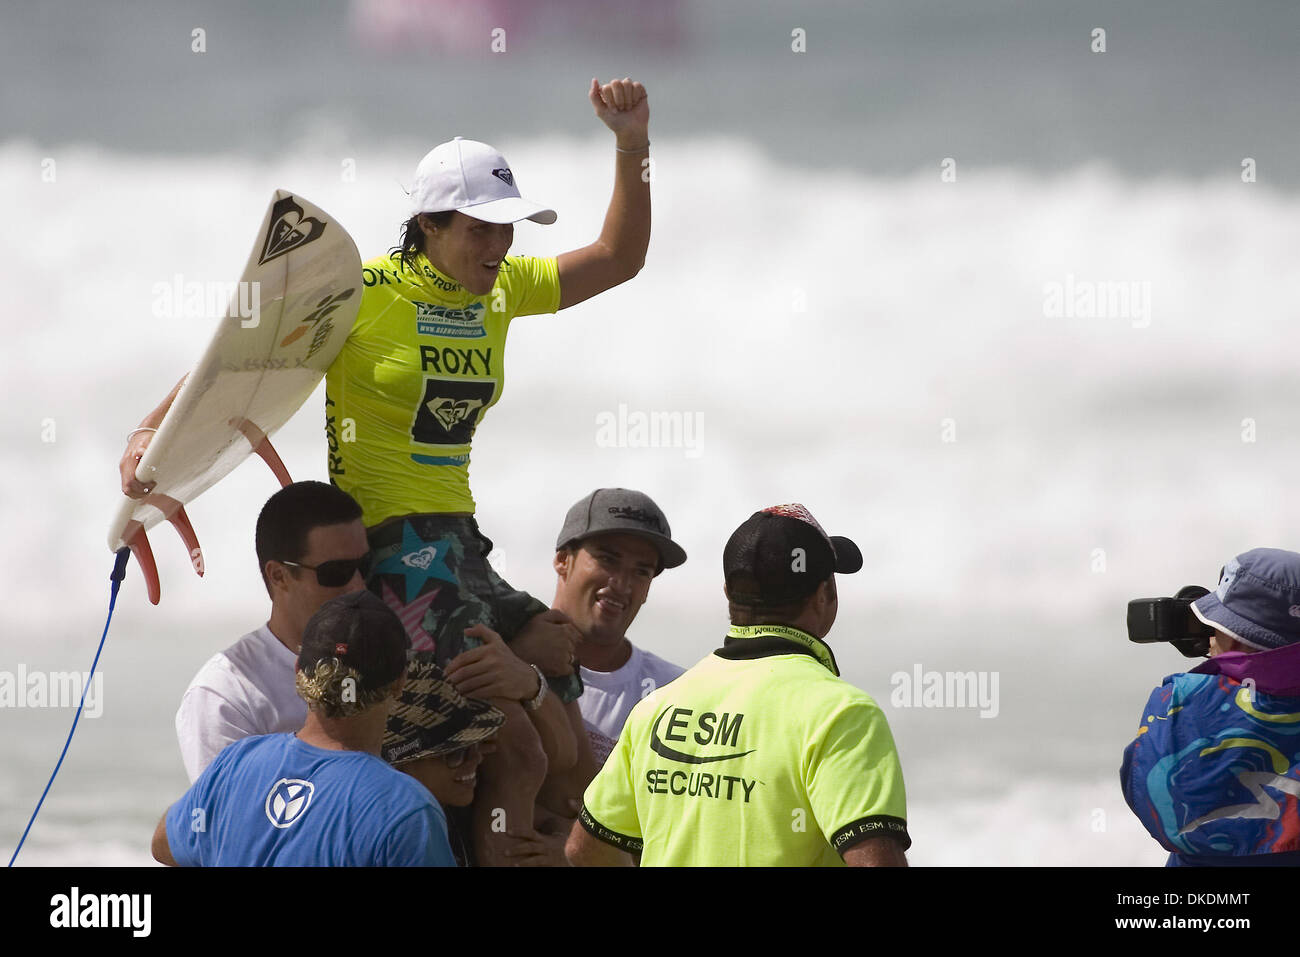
(505, 176)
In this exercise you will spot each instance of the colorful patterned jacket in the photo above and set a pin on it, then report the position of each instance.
(1214, 773)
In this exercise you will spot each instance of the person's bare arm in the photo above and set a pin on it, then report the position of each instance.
(876, 852)
(552, 724)
(539, 849)
(162, 852)
(508, 780)
(619, 252)
(562, 792)
(583, 850)
(137, 443)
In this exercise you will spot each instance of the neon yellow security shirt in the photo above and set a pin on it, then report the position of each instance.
(764, 757)
(424, 362)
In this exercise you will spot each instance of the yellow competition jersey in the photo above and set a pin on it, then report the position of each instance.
(424, 362)
(765, 759)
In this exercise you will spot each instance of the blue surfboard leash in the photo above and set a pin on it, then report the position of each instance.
(119, 573)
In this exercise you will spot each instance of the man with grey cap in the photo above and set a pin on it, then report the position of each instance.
(322, 797)
(1213, 773)
(613, 544)
(760, 754)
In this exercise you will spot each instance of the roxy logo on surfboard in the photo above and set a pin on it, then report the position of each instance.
(290, 229)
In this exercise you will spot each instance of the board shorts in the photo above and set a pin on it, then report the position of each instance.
(432, 570)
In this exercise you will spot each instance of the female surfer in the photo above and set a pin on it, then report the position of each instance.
(421, 366)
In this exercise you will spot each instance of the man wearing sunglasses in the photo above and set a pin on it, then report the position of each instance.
(311, 547)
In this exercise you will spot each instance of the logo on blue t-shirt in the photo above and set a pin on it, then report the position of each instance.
(288, 800)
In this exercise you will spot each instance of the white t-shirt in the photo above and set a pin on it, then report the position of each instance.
(245, 690)
(608, 697)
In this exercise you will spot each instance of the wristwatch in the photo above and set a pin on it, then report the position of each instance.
(532, 704)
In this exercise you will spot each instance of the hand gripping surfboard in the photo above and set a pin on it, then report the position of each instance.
(296, 304)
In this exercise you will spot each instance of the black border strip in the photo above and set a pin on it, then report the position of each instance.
(747, 649)
(865, 828)
(599, 831)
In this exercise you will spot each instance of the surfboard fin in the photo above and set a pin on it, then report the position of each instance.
(139, 545)
(175, 513)
(272, 459)
(181, 521)
(262, 446)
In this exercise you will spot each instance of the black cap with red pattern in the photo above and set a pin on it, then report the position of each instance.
(363, 633)
(780, 555)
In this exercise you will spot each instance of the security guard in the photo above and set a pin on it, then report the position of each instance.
(760, 754)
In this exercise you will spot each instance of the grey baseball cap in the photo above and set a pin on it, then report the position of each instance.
(621, 511)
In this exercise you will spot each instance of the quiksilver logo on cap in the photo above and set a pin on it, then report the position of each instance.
(634, 514)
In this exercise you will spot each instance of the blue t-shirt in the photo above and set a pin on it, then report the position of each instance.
(273, 800)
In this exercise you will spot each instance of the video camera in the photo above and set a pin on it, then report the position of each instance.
(1171, 620)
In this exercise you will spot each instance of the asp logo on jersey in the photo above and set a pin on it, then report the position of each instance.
(433, 320)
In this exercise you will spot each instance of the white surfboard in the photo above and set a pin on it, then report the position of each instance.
(303, 281)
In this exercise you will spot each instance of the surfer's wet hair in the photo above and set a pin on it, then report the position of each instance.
(413, 237)
(290, 514)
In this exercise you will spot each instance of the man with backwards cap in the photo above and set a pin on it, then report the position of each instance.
(322, 797)
(760, 754)
(1213, 774)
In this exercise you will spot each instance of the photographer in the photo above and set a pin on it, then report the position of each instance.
(1213, 771)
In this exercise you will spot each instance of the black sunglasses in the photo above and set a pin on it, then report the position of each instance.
(338, 571)
(455, 759)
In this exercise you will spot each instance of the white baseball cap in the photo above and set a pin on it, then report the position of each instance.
(475, 179)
